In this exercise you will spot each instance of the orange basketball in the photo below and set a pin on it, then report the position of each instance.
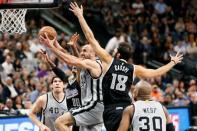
(50, 31)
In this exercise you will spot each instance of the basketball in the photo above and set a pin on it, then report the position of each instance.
(50, 31)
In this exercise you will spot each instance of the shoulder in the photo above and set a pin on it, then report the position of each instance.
(42, 99)
(129, 109)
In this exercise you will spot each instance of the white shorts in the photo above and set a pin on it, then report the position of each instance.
(89, 117)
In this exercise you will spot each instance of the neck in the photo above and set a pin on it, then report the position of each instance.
(144, 98)
(58, 95)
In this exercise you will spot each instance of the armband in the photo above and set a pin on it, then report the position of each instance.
(170, 127)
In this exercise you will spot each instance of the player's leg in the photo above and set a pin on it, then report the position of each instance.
(64, 122)
(89, 119)
(96, 127)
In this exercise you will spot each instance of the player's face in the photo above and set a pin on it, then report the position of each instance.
(86, 52)
(57, 85)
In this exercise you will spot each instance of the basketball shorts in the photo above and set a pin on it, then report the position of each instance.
(112, 117)
(88, 118)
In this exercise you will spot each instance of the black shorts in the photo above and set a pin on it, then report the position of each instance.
(112, 117)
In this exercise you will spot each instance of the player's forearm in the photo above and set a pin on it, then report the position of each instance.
(88, 33)
(34, 119)
(70, 60)
(60, 74)
(85, 28)
(164, 69)
(52, 65)
(75, 51)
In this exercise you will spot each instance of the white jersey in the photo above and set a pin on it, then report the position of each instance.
(148, 116)
(53, 110)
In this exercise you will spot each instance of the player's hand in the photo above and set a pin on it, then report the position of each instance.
(78, 11)
(177, 58)
(73, 40)
(44, 128)
(45, 40)
(45, 55)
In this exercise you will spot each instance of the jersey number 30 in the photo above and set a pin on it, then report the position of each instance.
(156, 121)
(118, 82)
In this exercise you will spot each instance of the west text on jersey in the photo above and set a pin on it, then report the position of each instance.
(149, 110)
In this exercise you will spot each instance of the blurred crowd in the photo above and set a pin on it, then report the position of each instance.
(155, 29)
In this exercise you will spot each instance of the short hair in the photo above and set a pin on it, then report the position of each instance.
(54, 78)
(125, 51)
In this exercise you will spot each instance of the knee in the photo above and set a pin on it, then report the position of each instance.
(66, 119)
(58, 123)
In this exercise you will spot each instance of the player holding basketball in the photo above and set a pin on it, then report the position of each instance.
(145, 114)
(118, 74)
(73, 96)
(52, 105)
(89, 116)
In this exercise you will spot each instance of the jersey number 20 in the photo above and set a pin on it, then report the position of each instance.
(121, 82)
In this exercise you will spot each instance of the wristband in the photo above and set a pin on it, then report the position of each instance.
(174, 61)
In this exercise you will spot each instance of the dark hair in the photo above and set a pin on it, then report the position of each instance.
(54, 78)
(125, 51)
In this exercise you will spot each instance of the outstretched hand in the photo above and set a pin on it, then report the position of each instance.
(78, 11)
(177, 58)
(73, 40)
(48, 42)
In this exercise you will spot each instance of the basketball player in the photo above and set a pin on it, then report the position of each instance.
(73, 91)
(118, 74)
(89, 116)
(52, 105)
(145, 114)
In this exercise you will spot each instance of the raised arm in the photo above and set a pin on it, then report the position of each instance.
(88, 64)
(58, 72)
(126, 119)
(37, 108)
(78, 11)
(73, 44)
(148, 73)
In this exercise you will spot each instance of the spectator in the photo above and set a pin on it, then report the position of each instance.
(115, 41)
(193, 108)
(7, 65)
(160, 7)
(138, 7)
(9, 107)
(181, 99)
(9, 91)
(168, 101)
(37, 92)
(18, 103)
(156, 94)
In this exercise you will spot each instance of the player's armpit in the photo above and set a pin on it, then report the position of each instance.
(94, 68)
(126, 118)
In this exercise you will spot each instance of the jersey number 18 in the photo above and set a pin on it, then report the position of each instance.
(119, 82)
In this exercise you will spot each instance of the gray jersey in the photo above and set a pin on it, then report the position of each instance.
(53, 110)
(148, 116)
(91, 89)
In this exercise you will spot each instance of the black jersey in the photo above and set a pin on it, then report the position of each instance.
(117, 83)
(73, 90)
(73, 95)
